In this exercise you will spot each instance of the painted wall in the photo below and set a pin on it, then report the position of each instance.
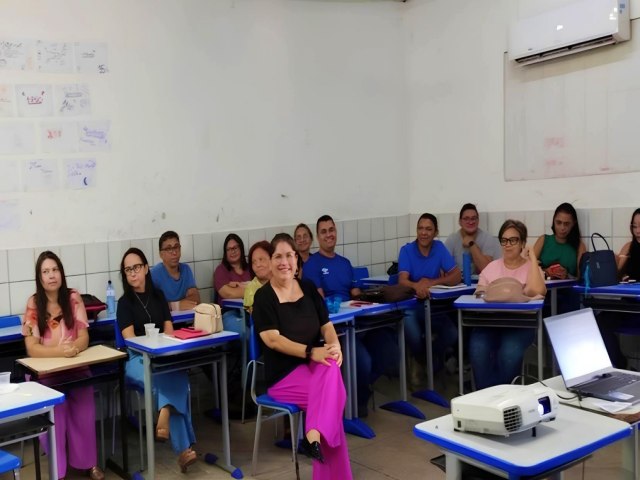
(225, 114)
(455, 96)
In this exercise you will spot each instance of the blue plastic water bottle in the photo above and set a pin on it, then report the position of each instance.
(587, 275)
(111, 299)
(466, 268)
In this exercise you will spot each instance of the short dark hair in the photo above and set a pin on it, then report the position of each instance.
(517, 225)
(468, 206)
(64, 294)
(264, 245)
(306, 227)
(169, 234)
(429, 216)
(243, 258)
(323, 218)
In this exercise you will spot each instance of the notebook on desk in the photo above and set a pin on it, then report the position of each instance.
(584, 361)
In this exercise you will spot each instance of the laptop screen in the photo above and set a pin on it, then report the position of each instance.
(578, 346)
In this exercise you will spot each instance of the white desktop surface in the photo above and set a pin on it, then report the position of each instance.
(574, 434)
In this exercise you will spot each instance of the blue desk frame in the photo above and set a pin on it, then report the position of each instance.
(151, 347)
(574, 435)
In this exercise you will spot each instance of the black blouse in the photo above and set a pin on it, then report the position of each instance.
(141, 308)
(299, 321)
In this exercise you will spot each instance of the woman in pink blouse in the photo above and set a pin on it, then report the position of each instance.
(55, 325)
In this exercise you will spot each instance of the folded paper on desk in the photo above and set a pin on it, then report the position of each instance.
(189, 332)
(612, 407)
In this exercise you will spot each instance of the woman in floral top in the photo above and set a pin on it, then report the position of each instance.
(55, 325)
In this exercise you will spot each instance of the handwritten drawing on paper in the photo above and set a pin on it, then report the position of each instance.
(59, 137)
(94, 136)
(10, 178)
(9, 215)
(40, 175)
(91, 58)
(72, 99)
(34, 100)
(16, 138)
(80, 174)
(6, 100)
(54, 57)
(14, 54)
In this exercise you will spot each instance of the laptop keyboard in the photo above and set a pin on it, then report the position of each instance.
(621, 380)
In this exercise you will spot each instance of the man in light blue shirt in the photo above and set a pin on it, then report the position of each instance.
(175, 279)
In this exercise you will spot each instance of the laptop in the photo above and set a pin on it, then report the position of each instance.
(584, 361)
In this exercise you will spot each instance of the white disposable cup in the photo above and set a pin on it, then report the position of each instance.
(5, 378)
(153, 332)
(149, 326)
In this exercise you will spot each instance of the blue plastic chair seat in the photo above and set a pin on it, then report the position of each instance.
(268, 401)
(8, 462)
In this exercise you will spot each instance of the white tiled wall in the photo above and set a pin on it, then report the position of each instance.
(371, 242)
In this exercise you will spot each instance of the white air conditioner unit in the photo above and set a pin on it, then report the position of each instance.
(573, 28)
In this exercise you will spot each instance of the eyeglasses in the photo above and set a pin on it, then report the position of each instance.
(469, 219)
(235, 248)
(172, 249)
(133, 269)
(279, 256)
(510, 241)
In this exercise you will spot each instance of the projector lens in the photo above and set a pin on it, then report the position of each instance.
(544, 405)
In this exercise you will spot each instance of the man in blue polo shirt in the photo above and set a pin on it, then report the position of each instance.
(175, 279)
(332, 274)
(423, 263)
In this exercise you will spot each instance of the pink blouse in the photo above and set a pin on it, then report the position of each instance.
(497, 269)
(56, 332)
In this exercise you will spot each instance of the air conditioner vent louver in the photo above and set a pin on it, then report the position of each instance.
(571, 28)
(512, 419)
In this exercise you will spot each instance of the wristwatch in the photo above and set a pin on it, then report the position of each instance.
(471, 244)
(308, 351)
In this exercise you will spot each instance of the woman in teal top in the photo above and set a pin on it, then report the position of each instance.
(560, 253)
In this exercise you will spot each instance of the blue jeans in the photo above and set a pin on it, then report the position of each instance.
(496, 354)
(377, 353)
(232, 321)
(444, 333)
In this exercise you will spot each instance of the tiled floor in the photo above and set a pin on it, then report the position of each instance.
(395, 453)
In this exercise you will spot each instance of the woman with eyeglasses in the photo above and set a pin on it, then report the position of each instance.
(230, 279)
(303, 238)
(496, 353)
(55, 325)
(628, 261)
(560, 253)
(302, 358)
(143, 303)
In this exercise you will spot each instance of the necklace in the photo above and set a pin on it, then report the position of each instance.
(144, 305)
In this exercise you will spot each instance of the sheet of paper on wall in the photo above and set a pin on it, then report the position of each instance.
(91, 57)
(79, 173)
(6, 100)
(34, 100)
(54, 57)
(40, 175)
(93, 136)
(72, 99)
(14, 54)
(17, 138)
(10, 178)
(59, 137)
(9, 215)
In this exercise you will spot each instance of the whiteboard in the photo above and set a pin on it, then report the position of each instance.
(574, 116)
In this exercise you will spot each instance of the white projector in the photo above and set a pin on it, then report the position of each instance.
(504, 409)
